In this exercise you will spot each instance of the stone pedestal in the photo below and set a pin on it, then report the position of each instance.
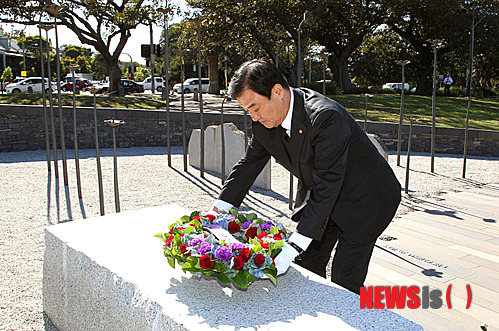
(234, 150)
(109, 273)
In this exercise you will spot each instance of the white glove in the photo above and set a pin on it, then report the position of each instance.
(284, 259)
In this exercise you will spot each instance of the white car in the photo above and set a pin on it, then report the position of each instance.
(191, 84)
(395, 86)
(28, 85)
(158, 83)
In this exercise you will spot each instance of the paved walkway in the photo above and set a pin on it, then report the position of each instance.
(449, 241)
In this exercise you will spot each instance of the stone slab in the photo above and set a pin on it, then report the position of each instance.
(234, 150)
(109, 273)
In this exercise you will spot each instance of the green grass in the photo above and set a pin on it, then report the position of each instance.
(449, 111)
(85, 101)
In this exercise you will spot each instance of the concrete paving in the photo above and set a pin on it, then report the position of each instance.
(453, 242)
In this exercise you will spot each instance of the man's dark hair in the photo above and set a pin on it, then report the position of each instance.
(257, 75)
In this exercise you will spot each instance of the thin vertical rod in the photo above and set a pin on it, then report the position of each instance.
(184, 144)
(61, 116)
(408, 158)
(433, 102)
(167, 81)
(469, 85)
(44, 96)
(115, 163)
(75, 134)
(365, 113)
(97, 156)
(201, 117)
(399, 141)
(51, 107)
(222, 142)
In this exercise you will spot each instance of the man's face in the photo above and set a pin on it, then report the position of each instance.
(270, 112)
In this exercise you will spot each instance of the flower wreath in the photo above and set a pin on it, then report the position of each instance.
(230, 246)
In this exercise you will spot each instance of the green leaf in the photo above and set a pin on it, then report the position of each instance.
(233, 211)
(241, 280)
(193, 260)
(185, 219)
(160, 236)
(223, 278)
(189, 229)
(274, 230)
(272, 275)
(208, 272)
(251, 217)
(171, 262)
(186, 266)
(220, 267)
(194, 213)
(249, 277)
(241, 218)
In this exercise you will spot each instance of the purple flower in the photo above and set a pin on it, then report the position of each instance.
(246, 225)
(266, 226)
(204, 248)
(223, 253)
(237, 246)
(195, 242)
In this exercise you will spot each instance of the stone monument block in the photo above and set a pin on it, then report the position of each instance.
(380, 145)
(109, 273)
(234, 150)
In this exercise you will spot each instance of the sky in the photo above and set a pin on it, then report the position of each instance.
(139, 36)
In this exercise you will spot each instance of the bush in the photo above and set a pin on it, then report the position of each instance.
(7, 75)
(331, 88)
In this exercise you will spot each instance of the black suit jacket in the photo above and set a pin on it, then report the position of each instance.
(341, 175)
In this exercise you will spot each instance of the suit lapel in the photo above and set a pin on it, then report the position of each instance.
(299, 129)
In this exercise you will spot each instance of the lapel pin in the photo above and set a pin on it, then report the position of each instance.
(300, 131)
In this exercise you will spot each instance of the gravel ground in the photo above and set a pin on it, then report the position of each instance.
(32, 198)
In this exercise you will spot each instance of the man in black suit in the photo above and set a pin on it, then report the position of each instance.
(347, 192)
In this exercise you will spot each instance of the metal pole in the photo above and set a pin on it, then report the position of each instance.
(399, 140)
(468, 90)
(184, 144)
(51, 107)
(115, 164)
(310, 69)
(436, 43)
(75, 133)
(225, 73)
(201, 119)
(151, 67)
(167, 82)
(408, 157)
(365, 111)
(222, 142)
(44, 96)
(97, 154)
(324, 57)
(61, 115)
(299, 62)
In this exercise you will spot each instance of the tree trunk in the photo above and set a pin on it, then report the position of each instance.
(340, 72)
(115, 87)
(214, 86)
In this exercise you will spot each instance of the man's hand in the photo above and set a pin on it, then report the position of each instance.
(284, 259)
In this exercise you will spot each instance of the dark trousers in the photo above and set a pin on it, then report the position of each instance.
(447, 89)
(350, 261)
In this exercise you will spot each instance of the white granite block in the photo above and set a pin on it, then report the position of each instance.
(109, 273)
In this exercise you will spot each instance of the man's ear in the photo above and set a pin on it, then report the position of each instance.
(278, 90)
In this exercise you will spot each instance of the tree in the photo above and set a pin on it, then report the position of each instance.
(7, 75)
(342, 29)
(103, 24)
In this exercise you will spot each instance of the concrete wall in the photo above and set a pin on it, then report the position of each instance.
(22, 128)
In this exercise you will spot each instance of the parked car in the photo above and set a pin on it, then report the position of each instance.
(158, 83)
(192, 84)
(131, 86)
(395, 86)
(28, 85)
(83, 85)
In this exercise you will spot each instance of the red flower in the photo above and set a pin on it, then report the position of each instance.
(251, 232)
(182, 248)
(245, 254)
(169, 240)
(205, 262)
(197, 218)
(238, 262)
(210, 217)
(278, 237)
(259, 260)
(233, 227)
(264, 244)
(171, 230)
(262, 234)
